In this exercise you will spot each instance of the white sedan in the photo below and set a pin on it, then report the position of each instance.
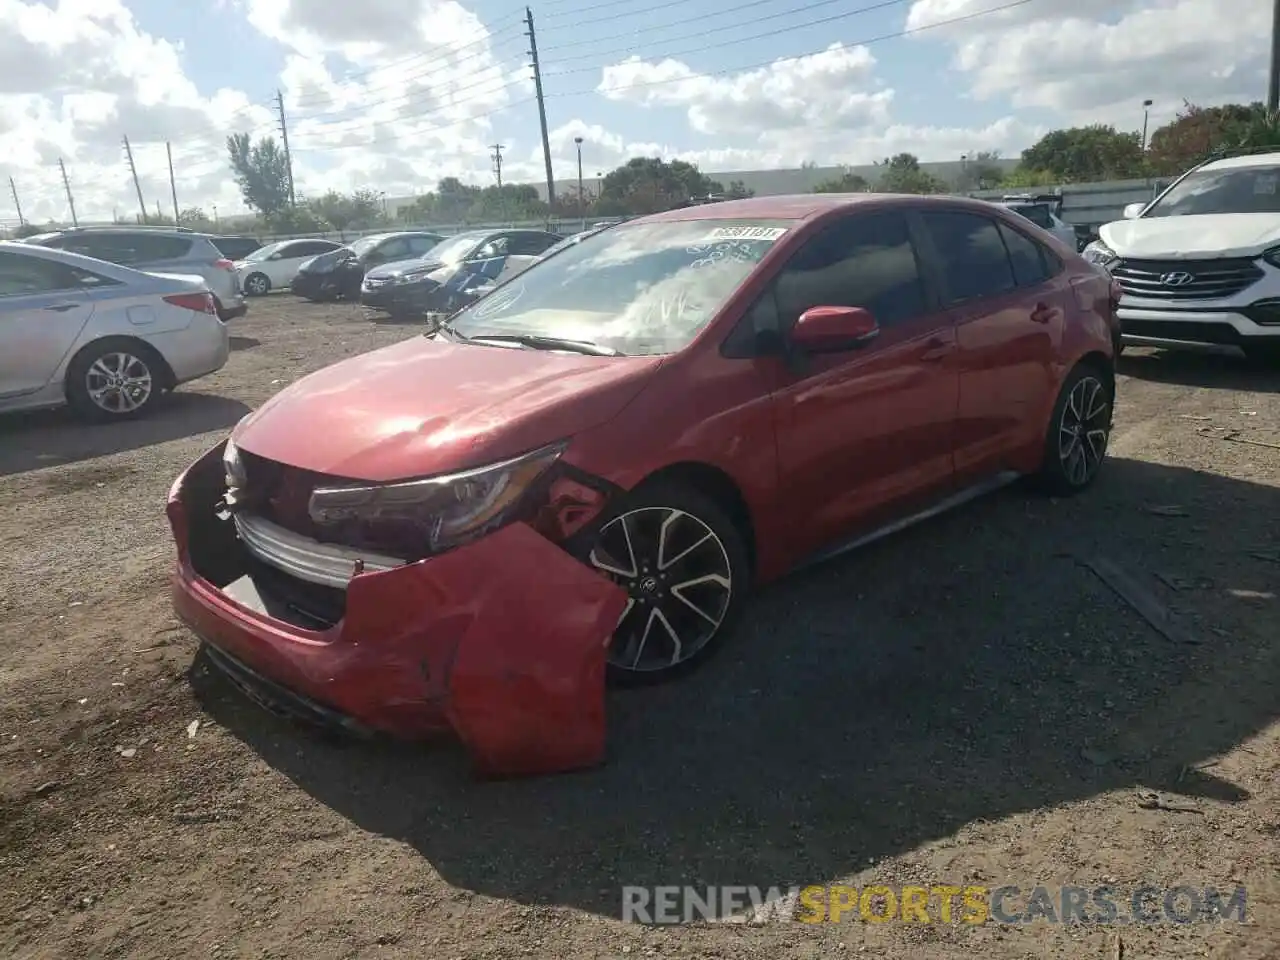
(106, 340)
(274, 266)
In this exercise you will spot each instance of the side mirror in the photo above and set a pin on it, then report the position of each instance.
(1133, 210)
(834, 329)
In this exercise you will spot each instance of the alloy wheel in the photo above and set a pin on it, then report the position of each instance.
(1083, 430)
(119, 382)
(678, 579)
(256, 285)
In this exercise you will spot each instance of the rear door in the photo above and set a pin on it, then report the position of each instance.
(864, 435)
(44, 306)
(1008, 299)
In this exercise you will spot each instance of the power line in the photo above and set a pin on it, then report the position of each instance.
(911, 31)
(719, 13)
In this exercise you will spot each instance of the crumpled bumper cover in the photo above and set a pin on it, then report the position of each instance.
(502, 640)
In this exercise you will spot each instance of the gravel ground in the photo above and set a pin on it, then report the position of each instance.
(969, 702)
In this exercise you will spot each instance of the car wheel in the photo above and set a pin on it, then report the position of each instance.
(115, 379)
(685, 568)
(257, 285)
(1079, 431)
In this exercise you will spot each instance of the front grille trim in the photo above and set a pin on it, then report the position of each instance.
(1214, 279)
(325, 564)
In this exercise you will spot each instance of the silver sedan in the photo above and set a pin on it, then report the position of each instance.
(104, 339)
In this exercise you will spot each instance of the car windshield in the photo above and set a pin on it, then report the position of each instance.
(263, 252)
(641, 289)
(456, 248)
(363, 245)
(1234, 190)
(1037, 213)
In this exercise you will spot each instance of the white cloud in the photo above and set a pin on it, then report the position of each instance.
(1097, 60)
(392, 95)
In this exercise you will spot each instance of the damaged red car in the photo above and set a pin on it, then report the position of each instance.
(586, 472)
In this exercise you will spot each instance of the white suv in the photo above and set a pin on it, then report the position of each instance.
(1201, 263)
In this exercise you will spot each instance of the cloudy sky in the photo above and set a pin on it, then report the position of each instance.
(391, 95)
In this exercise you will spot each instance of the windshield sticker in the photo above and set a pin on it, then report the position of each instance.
(497, 302)
(745, 233)
(1264, 185)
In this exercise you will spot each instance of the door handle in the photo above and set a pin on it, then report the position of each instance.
(935, 349)
(1043, 313)
(62, 307)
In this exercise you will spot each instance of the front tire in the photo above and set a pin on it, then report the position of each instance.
(686, 570)
(114, 379)
(1079, 431)
(257, 285)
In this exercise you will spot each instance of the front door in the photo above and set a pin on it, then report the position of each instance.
(865, 434)
(1009, 309)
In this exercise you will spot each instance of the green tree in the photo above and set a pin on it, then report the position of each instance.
(980, 171)
(1197, 132)
(1024, 176)
(261, 171)
(847, 182)
(195, 218)
(1084, 154)
(299, 219)
(738, 191)
(902, 174)
(350, 211)
(27, 230)
(650, 184)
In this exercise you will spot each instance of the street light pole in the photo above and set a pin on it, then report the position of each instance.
(1146, 115)
(582, 205)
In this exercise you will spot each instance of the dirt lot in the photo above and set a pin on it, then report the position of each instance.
(966, 703)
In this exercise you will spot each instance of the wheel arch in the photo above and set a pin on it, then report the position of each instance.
(168, 380)
(715, 484)
(1104, 365)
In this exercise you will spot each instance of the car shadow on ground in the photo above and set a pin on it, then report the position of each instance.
(968, 669)
(244, 343)
(1215, 368)
(46, 438)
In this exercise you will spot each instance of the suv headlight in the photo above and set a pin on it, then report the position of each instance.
(447, 511)
(1099, 253)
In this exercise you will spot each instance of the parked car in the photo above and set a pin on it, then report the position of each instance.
(274, 266)
(1045, 213)
(411, 288)
(162, 249)
(236, 248)
(104, 339)
(596, 463)
(339, 273)
(1201, 263)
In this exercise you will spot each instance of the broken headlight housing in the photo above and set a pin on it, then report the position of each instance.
(435, 514)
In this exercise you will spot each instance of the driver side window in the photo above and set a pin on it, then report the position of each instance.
(861, 261)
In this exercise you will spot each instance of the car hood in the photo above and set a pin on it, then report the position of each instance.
(427, 406)
(1193, 237)
(399, 267)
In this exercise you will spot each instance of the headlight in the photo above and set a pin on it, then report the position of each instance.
(1099, 253)
(411, 277)
(447, 511)
(233, 465)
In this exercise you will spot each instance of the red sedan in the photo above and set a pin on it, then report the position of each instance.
(587, 471)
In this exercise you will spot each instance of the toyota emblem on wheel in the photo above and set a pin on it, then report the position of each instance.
(1178, 278)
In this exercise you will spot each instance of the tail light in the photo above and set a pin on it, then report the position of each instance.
(224, 264)
(199, 302)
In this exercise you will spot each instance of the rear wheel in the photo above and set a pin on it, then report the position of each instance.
(115, 379)
(686, 571)
(1078, 433)
(257, 285)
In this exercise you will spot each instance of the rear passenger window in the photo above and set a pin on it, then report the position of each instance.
(1027, 257)
(974, 261)
(862, 261)
(159, 247)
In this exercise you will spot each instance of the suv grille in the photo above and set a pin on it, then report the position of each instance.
(1210, 279)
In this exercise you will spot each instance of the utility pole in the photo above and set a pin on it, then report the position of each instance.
(288, 157)
(18, 205)
(173, 186)
(142, 206)
(1273, 88)
(497, 162)
(542, 103)
(66, 182)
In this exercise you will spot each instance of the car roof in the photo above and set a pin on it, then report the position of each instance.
(804, 206)
(105, 267)
(1248, 160)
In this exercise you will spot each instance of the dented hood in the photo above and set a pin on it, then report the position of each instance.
(425, 406)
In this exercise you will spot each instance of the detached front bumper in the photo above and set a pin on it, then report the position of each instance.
(502, 641)
(313, 285)
(399, 298)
